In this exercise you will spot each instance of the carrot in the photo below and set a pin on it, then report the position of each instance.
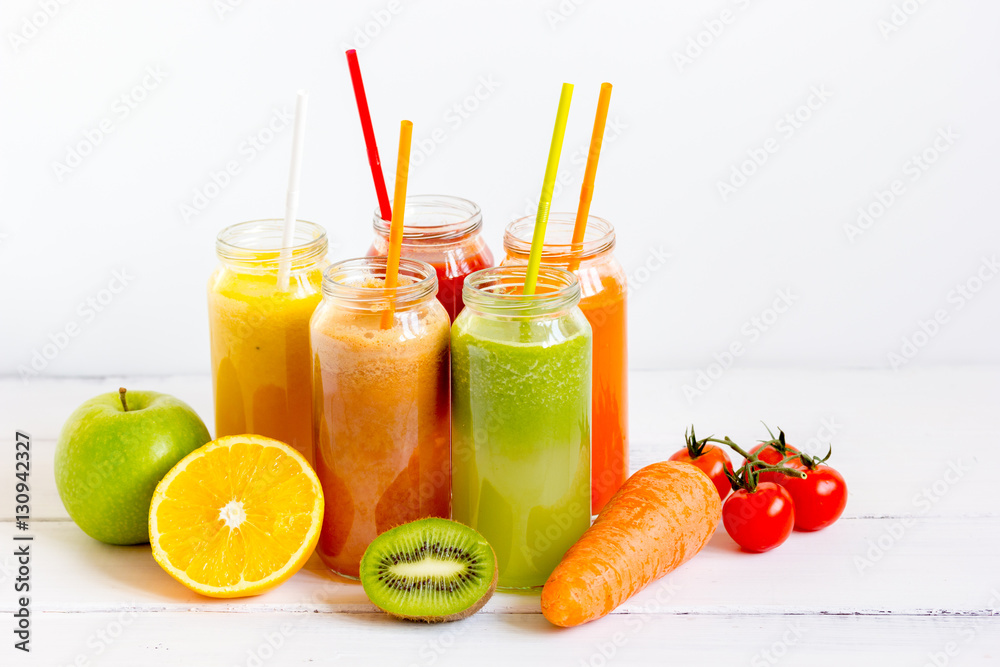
(662, 516)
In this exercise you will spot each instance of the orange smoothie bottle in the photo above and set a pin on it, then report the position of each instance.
(603, 302)
(381, 405)
(261, 368)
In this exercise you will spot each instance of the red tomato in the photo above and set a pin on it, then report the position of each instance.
(759, 521)
(819, 498)
(771, 454)
(714, 462)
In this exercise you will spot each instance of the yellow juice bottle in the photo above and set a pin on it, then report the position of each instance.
(261, 357)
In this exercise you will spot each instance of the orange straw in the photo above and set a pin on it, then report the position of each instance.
(398, 210)
(590, 174)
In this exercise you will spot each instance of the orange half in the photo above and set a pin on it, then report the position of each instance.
(236, 517)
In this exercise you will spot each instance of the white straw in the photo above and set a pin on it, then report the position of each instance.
(292, 198)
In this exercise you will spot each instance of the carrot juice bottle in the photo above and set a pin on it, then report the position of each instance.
(603, 302)
(261, 368)
(381, 405)
(444, 232)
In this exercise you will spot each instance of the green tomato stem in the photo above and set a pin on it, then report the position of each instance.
(791, 472)
(748, 474)
(732, 445)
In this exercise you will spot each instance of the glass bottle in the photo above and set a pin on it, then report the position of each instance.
(443, 231)
(381, 404)
(261, 370)
(521, 419)
(604, 293)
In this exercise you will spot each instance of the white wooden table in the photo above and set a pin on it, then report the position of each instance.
(903, 579)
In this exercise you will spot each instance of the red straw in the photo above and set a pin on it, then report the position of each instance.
(369, 132)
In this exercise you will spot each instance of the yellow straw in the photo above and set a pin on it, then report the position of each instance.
(545, 203)
(590, 174)
(398, 210)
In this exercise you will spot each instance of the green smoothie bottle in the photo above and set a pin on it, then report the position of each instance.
(521, 377)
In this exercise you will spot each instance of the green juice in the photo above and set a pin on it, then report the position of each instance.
(521, 437)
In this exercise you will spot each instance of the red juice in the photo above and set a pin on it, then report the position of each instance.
(444, 232)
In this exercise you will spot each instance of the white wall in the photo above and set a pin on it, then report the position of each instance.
(681, 130)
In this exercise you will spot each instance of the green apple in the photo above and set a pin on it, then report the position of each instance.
(112, 452)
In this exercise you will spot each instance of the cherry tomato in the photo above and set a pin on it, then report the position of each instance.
(759, 520)
(714, 462)
(771, 454)
(819, 498)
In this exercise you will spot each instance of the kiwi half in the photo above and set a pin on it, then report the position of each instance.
(429, 570)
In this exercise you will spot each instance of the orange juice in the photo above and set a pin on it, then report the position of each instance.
(603, 302)
(261, 359)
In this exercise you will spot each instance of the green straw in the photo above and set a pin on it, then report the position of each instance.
(548, 185)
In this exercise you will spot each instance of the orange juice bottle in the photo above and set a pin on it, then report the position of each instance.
(603, 302)
(381, 405)
(261, 360)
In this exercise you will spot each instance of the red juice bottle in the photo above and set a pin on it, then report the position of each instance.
(443, 231)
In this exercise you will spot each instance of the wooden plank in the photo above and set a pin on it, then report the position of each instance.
(875, 584)
(940, 481)
(914, 420)
(867, 566)
(176, 638)
(40, 406)
(907, 403)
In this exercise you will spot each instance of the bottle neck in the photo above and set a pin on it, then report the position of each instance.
(498, 292)
(359, 284)
(598, 240)
(434, 220)
(257, 246)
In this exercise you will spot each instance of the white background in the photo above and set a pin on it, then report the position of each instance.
(681, 128)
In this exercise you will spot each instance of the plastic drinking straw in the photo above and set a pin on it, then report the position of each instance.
(292, 197)
(545, 202)
(398, 210)
(369, 132)
(590, 173)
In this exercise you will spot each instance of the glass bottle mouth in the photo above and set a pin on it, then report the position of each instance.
(257, 244)
(598, 239)
(498, 291)
(359, 283)
(434, 220)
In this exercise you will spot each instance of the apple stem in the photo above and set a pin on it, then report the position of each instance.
(121, 395)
